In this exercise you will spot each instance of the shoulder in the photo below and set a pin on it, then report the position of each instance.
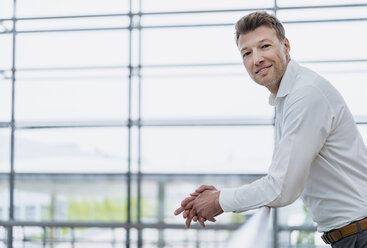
(310, 87)
(307, 94)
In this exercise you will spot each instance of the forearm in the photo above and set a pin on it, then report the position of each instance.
(251, 196)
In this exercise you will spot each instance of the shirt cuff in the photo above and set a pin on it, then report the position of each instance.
(226, 200)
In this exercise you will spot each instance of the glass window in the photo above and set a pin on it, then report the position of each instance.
(73, 23)
(74, 96)
(3, 233)
(17, 212)
(227, 18)
(189, 46)
(6, 26)
(363, 130)
(341, 41)
(32, 8)
(75, 150)
(353, 88)
(201, 113)
(30, 212)
(72, 49)
(70, 237)
(91, 198)
(207, 149)
(4, 195)
(5, 100)
(167, 5)
(297, 238)
(284, 3)
(322, 14)
(203, 92)
(6, 9)
(295, 214)
(194, 238)
(151, 206)
(33, 235)
(6, 50)
(5, 150)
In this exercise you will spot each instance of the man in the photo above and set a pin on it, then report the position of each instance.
(318, 154)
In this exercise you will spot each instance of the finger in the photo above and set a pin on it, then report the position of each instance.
(195, 218)
(191, 214)
(188, 208)
(179, 210)
(212, 220)
(185, 214)
(202, 219)
(185, 209)
(187, 200)
(202, 188)
(189, 218)
(202, 224)
(194, 194)
(189, 205)
(188, 222)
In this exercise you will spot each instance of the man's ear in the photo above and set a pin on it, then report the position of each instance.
(287, 46)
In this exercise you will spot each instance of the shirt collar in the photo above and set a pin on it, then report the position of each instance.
(286, 83)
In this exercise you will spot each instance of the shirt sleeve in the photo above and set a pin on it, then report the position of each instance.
(306, 122)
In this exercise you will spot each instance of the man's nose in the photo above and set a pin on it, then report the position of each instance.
(257, 57)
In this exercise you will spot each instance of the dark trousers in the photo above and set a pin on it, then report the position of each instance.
(358, 240)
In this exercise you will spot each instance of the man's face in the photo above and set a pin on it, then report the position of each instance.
(264, 56)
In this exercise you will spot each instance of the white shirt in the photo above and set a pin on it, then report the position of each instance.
(319, 155)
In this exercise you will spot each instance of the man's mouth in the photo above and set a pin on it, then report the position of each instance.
(263, 69)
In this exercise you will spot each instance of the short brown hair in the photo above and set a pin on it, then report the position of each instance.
(256, 19)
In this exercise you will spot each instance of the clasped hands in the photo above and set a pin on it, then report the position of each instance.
(202, 205)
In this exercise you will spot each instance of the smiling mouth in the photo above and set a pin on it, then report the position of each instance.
(262, 69)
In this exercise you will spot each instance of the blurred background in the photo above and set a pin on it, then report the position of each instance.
(113, 111)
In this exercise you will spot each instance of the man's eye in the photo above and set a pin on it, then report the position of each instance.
(266, 45)
(246, 54)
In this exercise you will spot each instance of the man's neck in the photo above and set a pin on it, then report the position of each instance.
(274, 88)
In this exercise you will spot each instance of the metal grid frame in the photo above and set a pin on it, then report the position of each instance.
(135, 73)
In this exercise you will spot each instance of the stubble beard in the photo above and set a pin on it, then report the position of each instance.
(278, 74)
(273, 83)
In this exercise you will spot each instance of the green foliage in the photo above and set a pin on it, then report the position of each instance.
(148, 209)
(46, 213)
(306, 237)
(112, 209)
(237, 218)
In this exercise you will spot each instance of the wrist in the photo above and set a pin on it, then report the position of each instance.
(217, 203)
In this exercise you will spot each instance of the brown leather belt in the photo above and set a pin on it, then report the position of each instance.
(336, 235)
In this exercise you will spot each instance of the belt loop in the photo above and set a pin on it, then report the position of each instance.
(359, 227)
